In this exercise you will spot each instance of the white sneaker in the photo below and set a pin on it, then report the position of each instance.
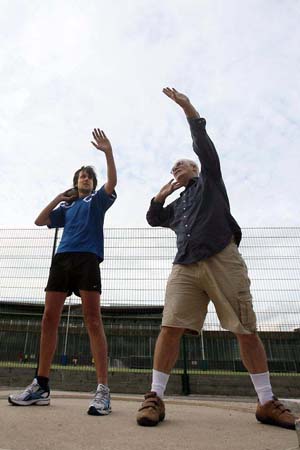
(100, 406)
(33, 395)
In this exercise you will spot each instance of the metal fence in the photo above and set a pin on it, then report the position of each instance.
(134, 273)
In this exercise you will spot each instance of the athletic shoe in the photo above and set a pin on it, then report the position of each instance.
(100, 406)
(33, 395)
(275, 413)
(152, 410)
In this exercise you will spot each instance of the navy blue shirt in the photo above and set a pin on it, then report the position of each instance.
(83, 223)
(201, 216)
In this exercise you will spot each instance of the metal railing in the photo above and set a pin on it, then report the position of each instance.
(134, 273)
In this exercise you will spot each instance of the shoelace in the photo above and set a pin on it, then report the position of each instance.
(102, 397)
(31, 387)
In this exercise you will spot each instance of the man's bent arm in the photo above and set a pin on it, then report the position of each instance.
(158, 216)
(44, 217)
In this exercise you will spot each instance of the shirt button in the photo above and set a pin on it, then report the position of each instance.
(188, 235)
(184, 217)
(185, 225)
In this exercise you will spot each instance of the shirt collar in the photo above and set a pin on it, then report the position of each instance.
(190, 183)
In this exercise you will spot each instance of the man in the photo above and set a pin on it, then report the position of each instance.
(75, 268)
(207, 266)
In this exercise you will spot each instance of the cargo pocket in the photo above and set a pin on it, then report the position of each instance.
(247, 314)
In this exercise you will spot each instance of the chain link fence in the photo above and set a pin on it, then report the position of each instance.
(134, 273)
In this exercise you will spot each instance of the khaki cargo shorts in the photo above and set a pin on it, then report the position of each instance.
(223, 279)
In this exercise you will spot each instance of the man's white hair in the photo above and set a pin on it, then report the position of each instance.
(192, 163)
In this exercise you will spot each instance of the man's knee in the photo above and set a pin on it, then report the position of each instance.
(93, 323)
(50, 320)
(248, 338)
(171, 333)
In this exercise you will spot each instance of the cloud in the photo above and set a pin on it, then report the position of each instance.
(67, 68)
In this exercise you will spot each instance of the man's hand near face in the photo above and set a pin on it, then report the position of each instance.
(167, 190)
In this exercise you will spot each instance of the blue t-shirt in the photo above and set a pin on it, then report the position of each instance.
(83, 223)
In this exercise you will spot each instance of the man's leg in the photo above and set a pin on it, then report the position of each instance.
(166, 353)
(38, 393)
(228, 286)
(185, 309)
(100, 406)
(165, 356)
(269, 410)
(93, 321)
(53, 307)
(252, 353)
(167, 348)
(254, 359)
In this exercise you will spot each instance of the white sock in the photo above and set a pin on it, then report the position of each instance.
(159, 382)
(262, 385)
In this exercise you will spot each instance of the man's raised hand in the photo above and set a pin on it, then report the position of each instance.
(101, 141)
(183, 101)
(179, 98)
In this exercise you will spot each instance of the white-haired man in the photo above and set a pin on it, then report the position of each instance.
(207, 266)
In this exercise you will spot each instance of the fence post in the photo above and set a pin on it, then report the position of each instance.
(54, 243)
(64, 360)
(185, 378)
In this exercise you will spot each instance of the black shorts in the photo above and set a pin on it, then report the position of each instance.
(72, 272)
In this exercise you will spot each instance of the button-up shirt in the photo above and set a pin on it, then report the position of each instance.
(201, 216)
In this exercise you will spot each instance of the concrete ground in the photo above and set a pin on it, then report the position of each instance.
(193, 423)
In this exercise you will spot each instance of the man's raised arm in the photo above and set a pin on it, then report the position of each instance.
(202, 144)
(102, 143)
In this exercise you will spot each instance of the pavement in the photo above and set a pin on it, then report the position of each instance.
(192, 423)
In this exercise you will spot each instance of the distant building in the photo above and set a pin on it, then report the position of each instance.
(131, 334)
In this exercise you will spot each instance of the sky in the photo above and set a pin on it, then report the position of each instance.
(67, 67)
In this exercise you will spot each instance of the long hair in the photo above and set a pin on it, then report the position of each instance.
(91, 173)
